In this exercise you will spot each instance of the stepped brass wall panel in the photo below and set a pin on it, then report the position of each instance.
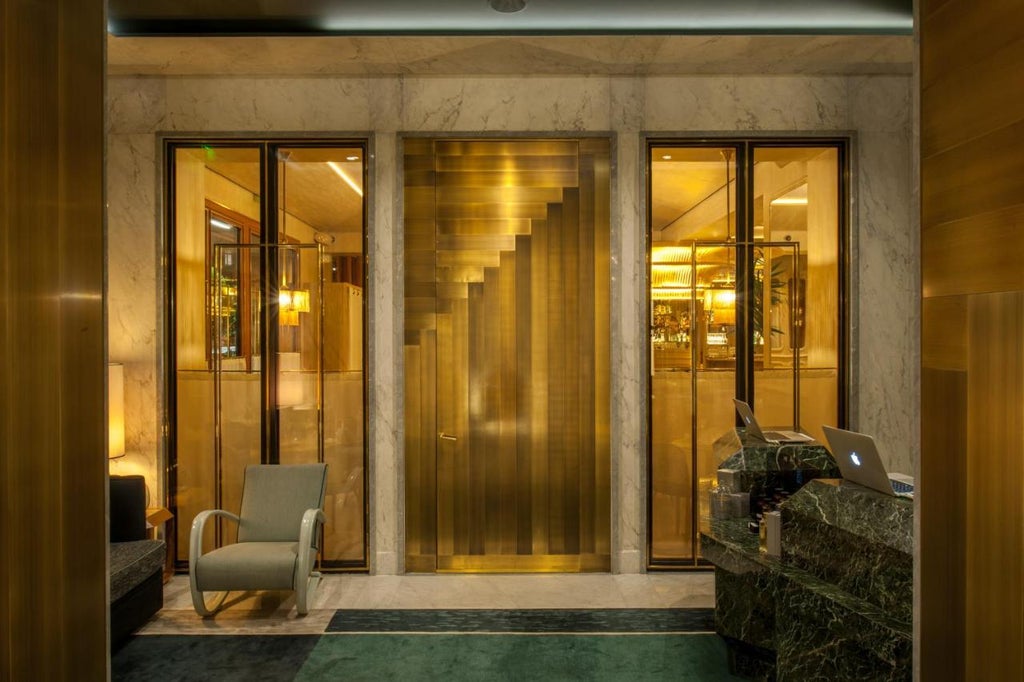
(506, 348)
(971, 621)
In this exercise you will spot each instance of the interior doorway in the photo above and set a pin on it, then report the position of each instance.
(747, 300)
(506, 355)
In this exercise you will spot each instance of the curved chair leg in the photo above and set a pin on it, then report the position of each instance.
(305, 592)
(199, 599)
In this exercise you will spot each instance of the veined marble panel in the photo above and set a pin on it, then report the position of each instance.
(323, 105)
(134, 301)
(627, 348)
(888, 301)
(746, 103)
(513, 104)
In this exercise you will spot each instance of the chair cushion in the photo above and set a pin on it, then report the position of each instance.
(274, 498)
(248, 566)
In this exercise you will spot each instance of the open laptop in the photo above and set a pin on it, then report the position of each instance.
(860, 463)
(773, 437)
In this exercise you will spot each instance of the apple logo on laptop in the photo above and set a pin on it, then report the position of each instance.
(855, 459)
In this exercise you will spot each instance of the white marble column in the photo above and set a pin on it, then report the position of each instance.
(628, 327)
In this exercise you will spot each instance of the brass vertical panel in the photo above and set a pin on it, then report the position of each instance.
(515, 267)
(491, 390)
(597, 153)
(445, 449)
(507, 427)
(539, 397)
(574, 300)
(556, 379)
(427, 475)
(994, 519)
(587, 385)
(420, 322)
(459, 369)
(53, 529)
(414, 492)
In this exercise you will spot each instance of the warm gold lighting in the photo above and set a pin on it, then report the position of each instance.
(671, 254)
(344, 176)
(722, 304)
(291, 302)
(115, 410)
(796, 197)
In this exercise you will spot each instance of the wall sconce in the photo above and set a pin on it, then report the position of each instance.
(291, 302)
(115, 410)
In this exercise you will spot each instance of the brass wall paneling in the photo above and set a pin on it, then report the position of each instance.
(506, 355)
(54, 611)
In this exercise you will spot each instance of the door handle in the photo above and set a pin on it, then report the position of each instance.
(446, 436)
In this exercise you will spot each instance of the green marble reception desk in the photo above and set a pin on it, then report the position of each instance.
(836, 605)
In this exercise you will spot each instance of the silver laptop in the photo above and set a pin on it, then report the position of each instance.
(773, 437)
(860, 463)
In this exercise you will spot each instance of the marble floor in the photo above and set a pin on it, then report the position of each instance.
(274, 612)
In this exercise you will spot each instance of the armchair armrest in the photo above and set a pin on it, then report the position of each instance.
(195, 540)
(311, 520)
(306, 579)
(195, 550)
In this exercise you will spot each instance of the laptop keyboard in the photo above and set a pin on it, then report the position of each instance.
(901, 487)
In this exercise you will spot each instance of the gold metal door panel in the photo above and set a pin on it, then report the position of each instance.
(514, 447)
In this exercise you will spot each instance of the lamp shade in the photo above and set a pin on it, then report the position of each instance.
(115, 410)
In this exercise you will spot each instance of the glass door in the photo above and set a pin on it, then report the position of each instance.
(268, 335)
(744, 264)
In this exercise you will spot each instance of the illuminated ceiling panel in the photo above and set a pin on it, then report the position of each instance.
(452, 17)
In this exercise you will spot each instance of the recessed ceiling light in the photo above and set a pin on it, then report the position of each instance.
(666, 157)
(507, 6)
(351, 158)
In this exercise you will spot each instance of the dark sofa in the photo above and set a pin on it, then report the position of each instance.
(136, 562)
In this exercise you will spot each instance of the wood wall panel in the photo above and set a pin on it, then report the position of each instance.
(944, 333)
(977, 255)
(956, 33)
(943, 495)
(53, 527)
(974, 99)
(994, 519)
(979, 176)
(971, 622)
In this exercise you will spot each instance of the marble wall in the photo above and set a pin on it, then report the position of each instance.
(875, 109)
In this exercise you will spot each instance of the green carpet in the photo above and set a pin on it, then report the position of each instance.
(478, 644)
(516, 657)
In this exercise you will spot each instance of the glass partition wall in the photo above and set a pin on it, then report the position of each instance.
(266, 320)
(745, 301)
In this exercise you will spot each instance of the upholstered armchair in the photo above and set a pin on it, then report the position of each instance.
(278, 524)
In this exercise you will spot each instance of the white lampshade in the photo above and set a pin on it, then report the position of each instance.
(115, 410)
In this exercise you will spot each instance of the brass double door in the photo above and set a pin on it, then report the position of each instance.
(506, 355)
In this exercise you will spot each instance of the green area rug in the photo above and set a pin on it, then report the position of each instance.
(517, 657)
(469, 644)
